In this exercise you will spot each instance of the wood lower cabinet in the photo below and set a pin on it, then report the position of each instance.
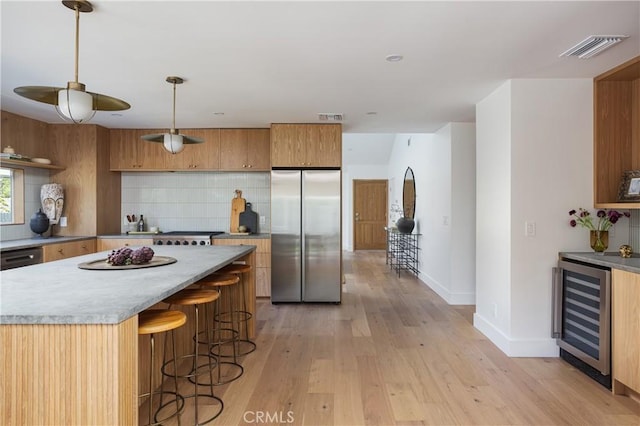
(306, 145)
(616, 98)
(263, 260)
(625, 330)
(116, 243)
(51, 252)
(246, 150)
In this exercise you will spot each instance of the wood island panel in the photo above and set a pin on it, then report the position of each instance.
(69, 374)
(625, 330)
(88, 374)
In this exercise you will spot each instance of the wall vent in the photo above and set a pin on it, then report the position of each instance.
(330, 116)
(593, 45)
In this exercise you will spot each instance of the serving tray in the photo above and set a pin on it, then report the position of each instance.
(102, 265)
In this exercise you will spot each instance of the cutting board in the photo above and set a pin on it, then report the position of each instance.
(249, 218)
(237, 207)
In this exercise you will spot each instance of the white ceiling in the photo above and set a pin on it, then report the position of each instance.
(264, 62)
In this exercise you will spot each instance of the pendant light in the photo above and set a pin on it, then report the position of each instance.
(73, 103)
(173, 141)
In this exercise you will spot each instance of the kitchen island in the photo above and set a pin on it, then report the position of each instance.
(69, 336)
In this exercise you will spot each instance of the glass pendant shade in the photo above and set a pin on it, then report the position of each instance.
(173, 143)
(75, 105)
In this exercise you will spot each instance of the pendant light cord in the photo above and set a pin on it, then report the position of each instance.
(173, 125)
(77, 9)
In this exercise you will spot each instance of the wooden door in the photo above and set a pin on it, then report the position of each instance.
(369, 214)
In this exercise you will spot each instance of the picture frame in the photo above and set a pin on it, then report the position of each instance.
(630, 186)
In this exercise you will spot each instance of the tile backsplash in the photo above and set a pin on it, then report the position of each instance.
(193, 201)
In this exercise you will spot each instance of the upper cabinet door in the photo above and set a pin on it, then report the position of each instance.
(197, 156)
(324, 145)
(244, 150)
(306, 145)
(132, 153)
(259, 149)
(287, 145)
(129, 152)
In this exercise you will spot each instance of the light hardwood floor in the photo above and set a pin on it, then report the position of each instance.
(394, 353)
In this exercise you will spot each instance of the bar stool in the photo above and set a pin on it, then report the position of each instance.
(241, 310)
(223, 336)
(151, 322)
(195, 298)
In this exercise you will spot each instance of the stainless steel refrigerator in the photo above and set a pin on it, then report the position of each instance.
(305, 236)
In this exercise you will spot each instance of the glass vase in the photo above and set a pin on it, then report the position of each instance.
(599, 241)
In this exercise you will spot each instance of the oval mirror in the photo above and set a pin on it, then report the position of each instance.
(409, 194)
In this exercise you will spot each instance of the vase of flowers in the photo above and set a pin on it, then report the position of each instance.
(599, 228)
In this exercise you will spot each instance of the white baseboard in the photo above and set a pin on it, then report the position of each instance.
(449, 297)
(540, 348)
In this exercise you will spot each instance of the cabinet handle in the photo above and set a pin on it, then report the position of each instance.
(249, 166)
(244, 166)
(60, 251)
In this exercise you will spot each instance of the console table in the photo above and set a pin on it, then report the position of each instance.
(402, 251)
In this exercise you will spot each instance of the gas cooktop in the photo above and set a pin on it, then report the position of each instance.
(193, 233)
(185, 238)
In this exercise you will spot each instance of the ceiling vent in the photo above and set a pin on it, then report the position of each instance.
(593, 45)
(330, 116)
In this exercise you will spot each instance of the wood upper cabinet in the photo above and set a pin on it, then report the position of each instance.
(130, 152)
(306, 145)
(198, 156)
(51, 252)
(245, 150)
(616, 98)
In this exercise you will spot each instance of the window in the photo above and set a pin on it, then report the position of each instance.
(11, 196)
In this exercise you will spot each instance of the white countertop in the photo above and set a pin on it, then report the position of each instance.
(61, 293)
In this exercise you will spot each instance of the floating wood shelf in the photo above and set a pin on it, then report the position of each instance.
(9, 163)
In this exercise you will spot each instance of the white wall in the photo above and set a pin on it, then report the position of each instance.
(534, 164)
(444, 167)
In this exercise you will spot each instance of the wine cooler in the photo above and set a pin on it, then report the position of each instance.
(582, 317)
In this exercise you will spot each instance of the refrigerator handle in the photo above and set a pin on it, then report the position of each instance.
(557, 291)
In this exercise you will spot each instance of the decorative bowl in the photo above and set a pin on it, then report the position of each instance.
(41, 160)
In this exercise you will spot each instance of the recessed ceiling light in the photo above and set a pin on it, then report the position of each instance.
(394, 58)
(218, 113)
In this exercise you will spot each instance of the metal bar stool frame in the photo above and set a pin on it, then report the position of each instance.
(145, 327)
(189, 297)
(241, 311)
(219, 282)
